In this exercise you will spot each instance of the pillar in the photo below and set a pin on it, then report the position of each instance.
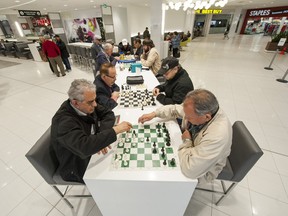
(156, 22)
(207, 24)
(235, 20)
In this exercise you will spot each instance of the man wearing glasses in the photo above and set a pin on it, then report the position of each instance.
(177, 85)
(81, 128)
(106, 89)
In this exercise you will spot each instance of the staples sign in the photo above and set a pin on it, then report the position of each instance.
(259, 13)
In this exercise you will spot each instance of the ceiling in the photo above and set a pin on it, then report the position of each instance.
(8, 6)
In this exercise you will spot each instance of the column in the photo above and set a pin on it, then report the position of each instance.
(234, 22)
(157, 21)
(207, 23)
(189, 21)
(281, 24)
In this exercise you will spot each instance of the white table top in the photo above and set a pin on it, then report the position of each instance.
(99, 166)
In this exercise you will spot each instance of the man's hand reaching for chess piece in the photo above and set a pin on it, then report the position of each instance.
(147, 117)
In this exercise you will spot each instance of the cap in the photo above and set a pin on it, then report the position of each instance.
(167, 64)
(98, 37)
(56, 36)
(124, 42)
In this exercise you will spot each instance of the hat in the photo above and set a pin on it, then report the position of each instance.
(124, 42)
(98, 37)
(167, 64)
(56, 36)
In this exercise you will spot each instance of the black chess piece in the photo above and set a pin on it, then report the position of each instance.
(162, 149)
(168, 143)
(173, 162)
(142, 108)
(153, 103)
(154, 150)
(154, 144)
(147, 139)
(163, 155)
(163, 125)
(159, 135)
(164, 163)
(122, 87)
(158, 126)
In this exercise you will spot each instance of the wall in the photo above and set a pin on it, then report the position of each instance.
(81, 14)
(11, 19)
(175, 20)
(120, 24)
(138, 19)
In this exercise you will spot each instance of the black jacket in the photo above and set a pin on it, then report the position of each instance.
(72, 141)
(127, 51)
(139, 52)
(104, 93)
(63, 49)
(104, 58)
(175, 89)
(95, 50)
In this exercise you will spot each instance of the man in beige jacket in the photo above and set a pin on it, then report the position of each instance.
(150, 57)
(207, 135)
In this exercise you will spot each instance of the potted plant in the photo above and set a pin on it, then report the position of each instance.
(273, 45)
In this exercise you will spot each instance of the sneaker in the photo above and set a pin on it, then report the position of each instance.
(64, 75)
(58, 75)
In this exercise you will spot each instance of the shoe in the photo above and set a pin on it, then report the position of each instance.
(58, 75)
(64, 75)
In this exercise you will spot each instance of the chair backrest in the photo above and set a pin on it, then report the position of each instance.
(245, 151)
(43, 157)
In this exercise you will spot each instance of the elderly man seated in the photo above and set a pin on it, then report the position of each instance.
(105, 56)
(207, 135)
(81, 128)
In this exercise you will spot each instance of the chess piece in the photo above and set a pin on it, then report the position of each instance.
(162, 149)
(173, 162)
(153, 103)
(147, 139)
(164, 163)
(168, 143)
(164, 126)
(154, 144)
(142, 108)
(159, 135)
(163, 155)
(154, 150)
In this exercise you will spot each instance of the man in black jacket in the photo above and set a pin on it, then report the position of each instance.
(139, 48)
(106, 89)
(64, 53)
(81, 128)
(177, 85)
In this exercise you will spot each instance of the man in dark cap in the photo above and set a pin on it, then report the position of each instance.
(177, 85)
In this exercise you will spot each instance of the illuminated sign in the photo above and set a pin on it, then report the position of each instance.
(40, 21)
(208, 11)
(260, 13)
(29, 13)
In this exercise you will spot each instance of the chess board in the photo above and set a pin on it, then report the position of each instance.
(142, 148)
(136, 98)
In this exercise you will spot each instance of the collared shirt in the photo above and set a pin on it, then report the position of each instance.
(80, 113)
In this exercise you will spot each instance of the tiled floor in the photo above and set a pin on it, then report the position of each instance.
(232, 69)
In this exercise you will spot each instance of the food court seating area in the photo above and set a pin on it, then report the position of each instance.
(17, 50)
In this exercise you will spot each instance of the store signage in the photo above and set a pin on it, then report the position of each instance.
(29, 13)
(260, 13)
(208, 11)
(282, 42)
(40, 21)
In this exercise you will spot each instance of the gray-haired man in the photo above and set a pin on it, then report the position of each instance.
(207, 136)
(81, 128)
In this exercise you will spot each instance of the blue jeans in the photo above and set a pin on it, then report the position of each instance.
(66, 63)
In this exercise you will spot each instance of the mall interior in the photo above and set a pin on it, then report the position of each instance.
(231, 67)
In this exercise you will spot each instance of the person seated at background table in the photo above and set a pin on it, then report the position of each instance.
(207, 137)
(177, 85)
(150, 57)
(139, 48)
(81, 128)
(106, 89)
(105, 57)
(125, 48)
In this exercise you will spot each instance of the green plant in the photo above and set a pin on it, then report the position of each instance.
(277, 37)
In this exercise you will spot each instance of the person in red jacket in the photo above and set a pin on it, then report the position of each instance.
(51, 50)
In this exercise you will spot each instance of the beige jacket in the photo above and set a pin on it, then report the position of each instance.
(205, 157)
(151, 60)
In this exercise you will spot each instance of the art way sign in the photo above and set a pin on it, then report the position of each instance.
(32, 13)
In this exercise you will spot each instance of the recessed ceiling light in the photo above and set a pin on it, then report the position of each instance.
(17, 1)
(91, 0)
(65, 5)
(94, 6)
(146, 4)
(272, 2)
(44, 9)
(120, 5)
(75, 9)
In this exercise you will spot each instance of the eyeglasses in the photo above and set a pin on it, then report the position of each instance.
(112, 77)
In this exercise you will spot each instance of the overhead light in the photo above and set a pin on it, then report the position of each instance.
(94, 6)
(17, 1)
(44, 9)
(120, 5)
(75, 9)
(199, 4)
(91, 0)
(65, 5)
(146, 5)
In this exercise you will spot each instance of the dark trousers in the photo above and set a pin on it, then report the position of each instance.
(175, 52)
(66, 63)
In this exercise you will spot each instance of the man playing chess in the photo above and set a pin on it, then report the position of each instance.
(177, 85)
(207, 135)
(106, 89)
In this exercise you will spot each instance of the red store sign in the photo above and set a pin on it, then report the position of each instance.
(40, 21)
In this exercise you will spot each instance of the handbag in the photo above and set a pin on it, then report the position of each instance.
(130, 80)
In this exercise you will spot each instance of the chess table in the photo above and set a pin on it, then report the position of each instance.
(140, 189)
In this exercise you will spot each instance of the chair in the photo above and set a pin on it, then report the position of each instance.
(245, 152)
(44, 160)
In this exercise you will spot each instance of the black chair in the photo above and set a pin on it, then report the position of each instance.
(245, 152)
(22, 50)
(44, 160)
(10, 49)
